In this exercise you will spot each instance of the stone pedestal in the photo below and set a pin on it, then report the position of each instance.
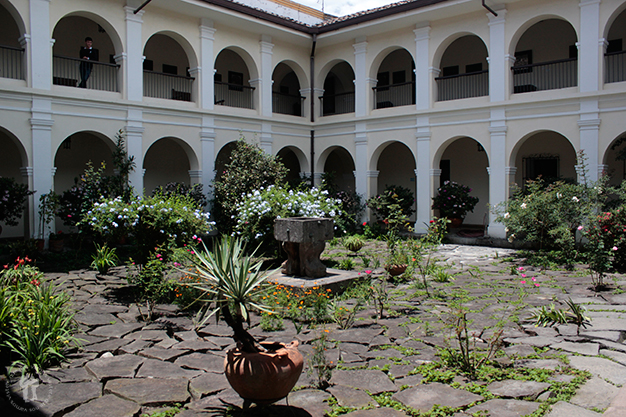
(304, 239)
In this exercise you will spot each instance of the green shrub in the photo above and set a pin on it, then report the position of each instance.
(104, 258)
(13, 198)
(179, 189)
(453, 200)
(248, 169)
(353, 243)
(382, 203)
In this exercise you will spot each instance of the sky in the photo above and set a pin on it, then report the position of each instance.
(343, 7)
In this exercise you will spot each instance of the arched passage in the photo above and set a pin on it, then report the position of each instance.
(12, 160)
(293, 159)
(286, 97)
(615, 57)
(615, 160)
(395, 77)
(101, 72)
(166, 68)
(547, 154)
(464, 71)
(223, 158)
(234, 69)
(339, 166)
(338, 95)
(546, 65)
(75, 152)
(12, 64)
(396, 166)
(168, 160)
(465, 161)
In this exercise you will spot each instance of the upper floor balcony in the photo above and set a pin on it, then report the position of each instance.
(394, 95)
(72, 72)
(453, 87)
(615, 66)
(12, 62)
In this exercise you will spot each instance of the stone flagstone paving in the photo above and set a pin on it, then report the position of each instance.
(127, 367)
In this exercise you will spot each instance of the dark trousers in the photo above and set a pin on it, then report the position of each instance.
(85, 72)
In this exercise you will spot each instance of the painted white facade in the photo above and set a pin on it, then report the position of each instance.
(401, 93)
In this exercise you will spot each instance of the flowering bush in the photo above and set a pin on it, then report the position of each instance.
(394, 195)
(606, 244)
(453, 200)
(150, 221)
(256, 213)
(12, 199)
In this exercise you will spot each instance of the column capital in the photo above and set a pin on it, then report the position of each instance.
(266, 47)
(360, 47)
(27, 171)
(584, 3)
(488, 170)
(434, 71)
(498, 130)
(510, 170)
(24, 40)
(54, 171)
(41, 124)
(255, 82)
(589, 124)
(602, 170)
(423, 136)
(371, 81)
(131, 16)
(422, 33)
(195, 174)
(195, 71)
(207, 32)
(120, 58)
(134, 130)
(510, 58)
(435, 172)
(372, 174)
(207, 136)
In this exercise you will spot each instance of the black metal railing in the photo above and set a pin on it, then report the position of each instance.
(168, 86)
(615, 67)
(337, 103)
(234, 95)
(454, 87)
(545, 76)
(394, 95)
(12, 62)
(287, 104)
(101, 76)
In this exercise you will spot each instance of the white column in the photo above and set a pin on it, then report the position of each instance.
(510, 175)
(360, 163)
(133, 132)
(207, 61)
(361, 95)
(589, 50)
(589, 128)
(207, 139)
(196, 74)
(498, 186)
(372, 185)
(32, 205)
(317, 107)
(40, 51)
(423, 179)
(256, 94)
(195, 176)
(498, 63)
(41, 130)
(133, 73)
(266, 75)
(267, 141)
(306, 105)
(422, 74)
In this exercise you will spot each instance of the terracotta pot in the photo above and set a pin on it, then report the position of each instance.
(455, 222)
(395, 270)
(56, 245)
(264, 378)
(40, 243)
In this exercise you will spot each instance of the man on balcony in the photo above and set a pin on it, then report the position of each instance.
(87, 53)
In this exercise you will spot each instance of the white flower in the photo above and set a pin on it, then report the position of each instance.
(575, 199)
(507, 215)
(523, 205)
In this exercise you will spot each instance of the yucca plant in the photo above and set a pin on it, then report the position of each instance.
(104, 258)
(231, 282)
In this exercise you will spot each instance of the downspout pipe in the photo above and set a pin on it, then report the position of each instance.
(145, 3)
(490, 9)
(312, 109)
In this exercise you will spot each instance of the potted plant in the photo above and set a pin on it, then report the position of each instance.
(262, 373)
(398, 259)
(57, 241)
(454, 202)
(12, 199)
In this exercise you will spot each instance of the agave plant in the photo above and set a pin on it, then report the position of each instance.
(231, 282)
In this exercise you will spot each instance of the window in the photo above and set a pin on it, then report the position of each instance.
(383, 81)
(614, 45)
(148, 65)
(399, 77)
(235, 79)
(546, 166)
(170, 69)
(573, 51)
(444, 166)
(449, 71)
(473, 68)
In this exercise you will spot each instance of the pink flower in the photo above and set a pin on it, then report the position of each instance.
(368, 271)
(533, 279)
(523, 275)
(523, 282)
(580, 227)
(536, 285)
(614, 247)
(521, 268)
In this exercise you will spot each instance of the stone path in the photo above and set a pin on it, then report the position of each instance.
(128, 367)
